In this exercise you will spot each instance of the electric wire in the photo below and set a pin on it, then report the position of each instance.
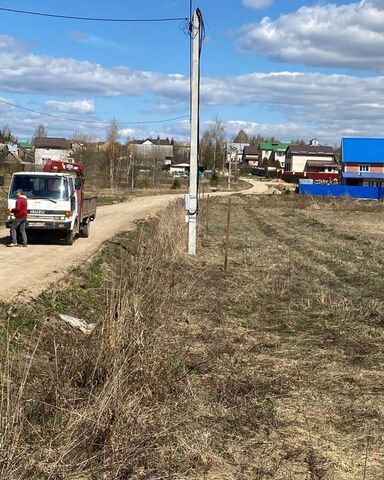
(94, 122)
(186, 26)
(92, 19)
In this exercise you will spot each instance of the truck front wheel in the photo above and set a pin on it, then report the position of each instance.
(69, 238)
(85, 230)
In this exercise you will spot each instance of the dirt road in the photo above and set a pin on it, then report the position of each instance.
(31, 270)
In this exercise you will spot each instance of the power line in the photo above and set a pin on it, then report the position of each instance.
(93, 19)
(60, 117)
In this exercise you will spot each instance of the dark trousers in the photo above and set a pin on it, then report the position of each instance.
(19, 223)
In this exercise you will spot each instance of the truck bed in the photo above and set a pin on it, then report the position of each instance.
(89, 208)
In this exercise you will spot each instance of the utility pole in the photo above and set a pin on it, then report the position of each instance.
(191, 198)
(128, 165)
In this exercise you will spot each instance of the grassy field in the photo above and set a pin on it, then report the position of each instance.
(272, 370)
(304, 297)
(107, 196)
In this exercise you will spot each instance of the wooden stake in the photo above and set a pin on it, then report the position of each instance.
(227, 234)
(207, 216)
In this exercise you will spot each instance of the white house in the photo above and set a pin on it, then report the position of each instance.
(235, 152)
(50, 148)
(273, 152)
(310, 158)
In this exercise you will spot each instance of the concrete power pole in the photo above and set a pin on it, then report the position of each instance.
(191, 199)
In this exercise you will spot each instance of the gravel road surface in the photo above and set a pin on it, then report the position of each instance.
(26, 272)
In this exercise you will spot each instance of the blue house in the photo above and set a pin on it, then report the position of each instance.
(362, 161)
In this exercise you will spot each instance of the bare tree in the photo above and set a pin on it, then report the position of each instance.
(40, 131)
(212, 145)
(86, 151)
(6, 136)
(111, 152)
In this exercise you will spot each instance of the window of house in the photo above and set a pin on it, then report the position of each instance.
(363, 168)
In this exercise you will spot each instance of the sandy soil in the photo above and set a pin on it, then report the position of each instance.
(26, 272)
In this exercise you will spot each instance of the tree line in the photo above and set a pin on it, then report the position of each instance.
(111, 163)
(213, 144)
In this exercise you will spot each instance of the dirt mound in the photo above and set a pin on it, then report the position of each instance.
(273, 191)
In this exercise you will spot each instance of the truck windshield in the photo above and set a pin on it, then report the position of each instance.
(46, 187)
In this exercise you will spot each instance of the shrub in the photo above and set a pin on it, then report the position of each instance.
(214, 180)
(176, 183)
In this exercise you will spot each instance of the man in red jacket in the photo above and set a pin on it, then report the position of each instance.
(20, 212)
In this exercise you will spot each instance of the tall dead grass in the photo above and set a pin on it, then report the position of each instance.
(272, 370)
(101, 406)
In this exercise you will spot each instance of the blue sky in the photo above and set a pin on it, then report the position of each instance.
(284, 68)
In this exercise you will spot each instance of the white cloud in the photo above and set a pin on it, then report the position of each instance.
(283, 131)
(125, 133)
(302, 102)
(256, 4)
(94, 41)
(350, 36)
(10, 43)
(70, 77)
(78, 106)
(306, 102)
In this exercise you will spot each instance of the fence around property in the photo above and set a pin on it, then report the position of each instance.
(321, 190)
(295, 177)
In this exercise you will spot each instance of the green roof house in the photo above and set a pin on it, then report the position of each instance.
(272, 152)
(26, 145)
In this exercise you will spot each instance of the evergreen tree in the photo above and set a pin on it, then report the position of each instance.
(241, 137)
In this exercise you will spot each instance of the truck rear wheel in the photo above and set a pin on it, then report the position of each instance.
(85, 230)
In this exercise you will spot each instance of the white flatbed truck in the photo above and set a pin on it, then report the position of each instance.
(56, 200)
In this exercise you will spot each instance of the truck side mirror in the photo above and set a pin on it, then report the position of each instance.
(1, 181)
(78, 183)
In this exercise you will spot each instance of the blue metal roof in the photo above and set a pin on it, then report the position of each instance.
(363, 175)
(362, 150)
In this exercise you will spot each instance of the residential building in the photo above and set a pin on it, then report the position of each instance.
(51, 148)
(26, 145)
(362, 161)
(152, 150)
(250, 156)
(9, 153)
(235, 152)
(181, 152)
(272, 152)
(304, 160)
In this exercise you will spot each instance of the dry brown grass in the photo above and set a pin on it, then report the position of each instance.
(271, 371)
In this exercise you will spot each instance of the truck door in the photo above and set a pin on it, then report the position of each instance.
(72, 196)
